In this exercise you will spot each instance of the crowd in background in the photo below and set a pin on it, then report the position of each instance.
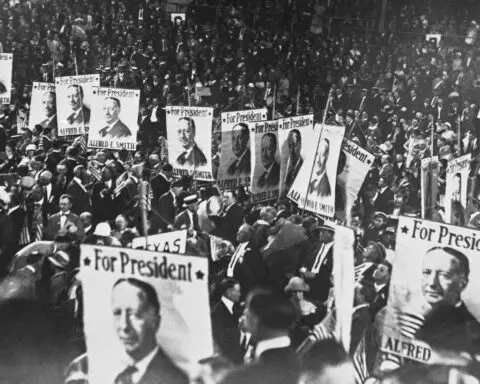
(400, 94)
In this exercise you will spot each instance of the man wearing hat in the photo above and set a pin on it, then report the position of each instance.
(188, 219)
(164, 218)
(376, 228)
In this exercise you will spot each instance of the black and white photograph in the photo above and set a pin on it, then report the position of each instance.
(456, 193)
(6, 63)
(43, 109)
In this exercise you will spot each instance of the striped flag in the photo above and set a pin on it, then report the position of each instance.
(25, 233)
(39, 231)
(121, 182)
(94, 172)
(360, 362)
(81, 142)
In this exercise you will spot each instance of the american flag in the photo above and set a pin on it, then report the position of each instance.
(121, 182)
(39, 231)
(94, 172)
(25, 234)
(81, 142)
(360, 362)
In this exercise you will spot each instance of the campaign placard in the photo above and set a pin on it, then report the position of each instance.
(189, 132)
(456, 190)
(6, 65)
(354, 164)
(314, 187)
(294, 131)
(265, 172)
(172, 242)
(22, 120)
(144, 309)
(114, 118)
(433, 302)
(74, 103)
(235, 159)
(429, 185)
(43, 107)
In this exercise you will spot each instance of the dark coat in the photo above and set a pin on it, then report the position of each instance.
(195, 158)
(160, 185)
(81, 118)
(53, 226)
(6, 241)
(118, 131)
(384, 202)
(104, 208)
(243, 168)
(167, 209)
(80, 198)
(272, 179)
(226, 332)
(321, 187)
(231, 222)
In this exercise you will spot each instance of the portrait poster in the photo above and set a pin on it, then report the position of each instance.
(294, 131)
(74, 103)
(433, 303)
(265, 173)
(114, 123)
(456, 190)
(343, 282)
(353, 166)
(43, 107)
(189, 133)
(159, 288)
(22, 121)
(6, 65)
(235, 159)
(172, 242)
(429, 185)
(314, 187)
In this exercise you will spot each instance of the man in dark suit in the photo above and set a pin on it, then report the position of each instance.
(381, 278)
(294, 142)
(64, 221)
(226, 332)
(192, 155)
(320, 185)
(148, 364)
(383, 201)
(232, 218)
(240, 148)
(78, 191)
(161, 183)
(50, 111)
(268, 147)
(188, 219)
(115, 128)
(105, 205)
(448, 323)
(164, 218)
(268, 315)
(80, 114)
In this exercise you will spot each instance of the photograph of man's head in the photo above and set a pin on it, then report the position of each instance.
(49, 110)
(137, 319)
(79, 113)
(192, 155)
(268, 150)
(320, 184)
(241, 149)
(114, 127)
(295, 160)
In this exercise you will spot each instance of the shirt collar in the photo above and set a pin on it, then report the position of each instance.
(242, 155)
(78, 180)
(275, 343)
(228, 303)
(142, 365)
(13, 209)
(110, 126)
(379, 287)
(66, 213)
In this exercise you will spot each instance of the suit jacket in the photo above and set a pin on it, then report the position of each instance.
(292, 174)
(82, 118)
(161, 369)
(226, 332)
(195, 158)
(53, 226)
(118, 131)
(52, 124)
(275, 366)
(17, 218)
(271, 179)
(183, 221)
(160, 185)
(167, 209)
(104, 208)
(243, 167)
(321, 186)
(231, 222)
(384, 202)
(80, 198)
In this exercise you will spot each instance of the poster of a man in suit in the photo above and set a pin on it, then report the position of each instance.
(6, 63)
(74, 98)
(315, 185)
(139, 323)
(456, 190)
(189, 132)
(114, 118)
(236, 147)
(433, 305)
(43, 108)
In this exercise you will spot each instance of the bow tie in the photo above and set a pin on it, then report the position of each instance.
(64, 214)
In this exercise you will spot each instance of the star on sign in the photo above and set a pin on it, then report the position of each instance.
(86, 261)
(199, 275)
(404, 229)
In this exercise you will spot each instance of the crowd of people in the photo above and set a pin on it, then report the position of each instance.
(405, 93)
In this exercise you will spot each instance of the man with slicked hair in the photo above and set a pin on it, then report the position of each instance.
(115, 128)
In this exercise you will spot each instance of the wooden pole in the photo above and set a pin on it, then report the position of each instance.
(274, 101)
(298, 100)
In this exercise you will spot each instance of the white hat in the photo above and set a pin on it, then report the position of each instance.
(31, 147)
(102, 229)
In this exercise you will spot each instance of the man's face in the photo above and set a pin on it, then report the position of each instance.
(322, 156)
(442, 279)
(136, 321)
(371, 255)
(48, 104)
(86, 220)
(267, 148)
(381, 275)
(110, 111)
(239, 141)
(294, 147)
(186, 134)
(228, 199)
(74, 98)
(65, 205)
(235, 293)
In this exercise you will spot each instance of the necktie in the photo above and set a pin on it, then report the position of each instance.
(125, 377)
(71, 118)
(182, 158)
(103, 131)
